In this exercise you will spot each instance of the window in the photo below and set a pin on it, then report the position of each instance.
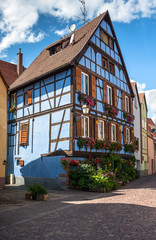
(135, 101)
(85, 126)
(111, 43)
(104, 62)
(84, 83)
(13, 99)
(28, 97)
(107, 39)
(111, 67)
(23, 134)
(100, 129)
(104, 37)
(126, 104)
(127, 135)
(113, 132)
(109, 95)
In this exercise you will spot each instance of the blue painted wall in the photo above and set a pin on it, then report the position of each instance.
(40, 127)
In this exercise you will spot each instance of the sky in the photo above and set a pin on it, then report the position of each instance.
(33, 25)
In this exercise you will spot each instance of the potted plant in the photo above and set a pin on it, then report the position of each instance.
(38, 192)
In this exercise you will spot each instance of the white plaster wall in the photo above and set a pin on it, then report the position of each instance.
(137, 127)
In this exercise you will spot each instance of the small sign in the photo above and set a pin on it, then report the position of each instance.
(96, 121)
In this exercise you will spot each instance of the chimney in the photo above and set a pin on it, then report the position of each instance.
(19, 62)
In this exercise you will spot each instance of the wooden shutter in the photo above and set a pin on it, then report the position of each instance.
(124, 135)
(24, 134)
(78, 79)
(115, 97)
(78, 125)
(96, 128)
(132, 135)
(118, 132)
(105, 91)
(131, 104)
(93, 87)
(30, 97)
(106, 130)
(123, 101)
(93, 128)
(109, 132)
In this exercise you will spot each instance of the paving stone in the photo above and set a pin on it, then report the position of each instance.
(126, 214)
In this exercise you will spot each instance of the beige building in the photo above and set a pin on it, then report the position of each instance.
(8, 74)
(151, 146)
(144, 138)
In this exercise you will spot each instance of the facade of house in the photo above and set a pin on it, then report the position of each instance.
(137, 125)
(151, 146)
(52, 99)
(8, 74)
(144, 147)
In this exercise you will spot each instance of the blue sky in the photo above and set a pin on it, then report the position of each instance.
(32, 25)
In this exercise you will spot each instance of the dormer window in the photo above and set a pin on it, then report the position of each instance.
(58, 47)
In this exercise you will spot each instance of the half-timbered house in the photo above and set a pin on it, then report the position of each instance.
(74, 90)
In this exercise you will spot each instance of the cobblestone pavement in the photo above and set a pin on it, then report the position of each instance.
(129, 213)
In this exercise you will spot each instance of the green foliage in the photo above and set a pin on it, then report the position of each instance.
(37, 189)
(80, 176)
(109, 172)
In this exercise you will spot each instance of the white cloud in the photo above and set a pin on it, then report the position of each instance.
(62, 32)
(141, 86)
(150, 99)
(17, 18)
(151, 102)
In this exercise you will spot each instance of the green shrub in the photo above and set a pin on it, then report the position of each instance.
(37, 189)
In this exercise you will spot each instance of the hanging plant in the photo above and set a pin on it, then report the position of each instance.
(13, 108)
(88, 100)
(129, 117)
(111, 110)
(129, 148)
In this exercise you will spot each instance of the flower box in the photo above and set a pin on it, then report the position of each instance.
(129, 117)
(111, 110)
(88, 100)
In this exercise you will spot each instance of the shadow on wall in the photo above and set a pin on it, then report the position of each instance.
(43, 170)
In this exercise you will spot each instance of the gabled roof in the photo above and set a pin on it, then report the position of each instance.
(45, 64)
(141, 98)
(151, 126)
(134, 86)
(8, 72)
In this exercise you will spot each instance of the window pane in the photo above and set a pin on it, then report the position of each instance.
(82, 82)
(86, 84)
(86, 127)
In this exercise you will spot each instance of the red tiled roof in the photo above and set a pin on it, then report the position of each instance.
(8, 71)
(45, 64)
(133, 85)
(141, 97)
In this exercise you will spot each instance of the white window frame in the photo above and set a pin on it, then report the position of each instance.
(109, 95)
(13, 99)
(113, 138)
(128, 135)
(127, 105)
(83, 83)
(99, 130)
(84, 126)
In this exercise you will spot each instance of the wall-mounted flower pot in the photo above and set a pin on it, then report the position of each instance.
(28, 196)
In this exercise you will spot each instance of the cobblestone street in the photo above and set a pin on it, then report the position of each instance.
(129, 213)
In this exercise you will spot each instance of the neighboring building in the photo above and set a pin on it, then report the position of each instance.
(144, 158)
(8, 74)
(137, 124)
(50, 119)
(151, 146)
